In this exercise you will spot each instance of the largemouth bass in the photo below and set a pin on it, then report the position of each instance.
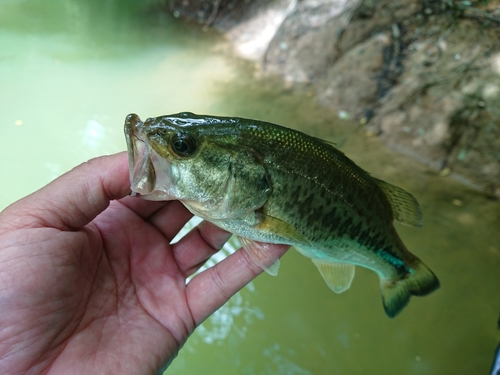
(270, 184)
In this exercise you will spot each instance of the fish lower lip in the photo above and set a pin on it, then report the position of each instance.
(141, 171)
(144, 176)
(150, 174)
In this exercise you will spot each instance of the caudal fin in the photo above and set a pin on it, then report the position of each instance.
(420, 281)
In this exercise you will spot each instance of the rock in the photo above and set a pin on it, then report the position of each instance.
(249, 25)
(305, 44)
(447, 105)
(350, 84)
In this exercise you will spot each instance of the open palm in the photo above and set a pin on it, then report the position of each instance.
(90, 282)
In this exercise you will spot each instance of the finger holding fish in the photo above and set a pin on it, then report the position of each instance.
(197, 246)
(210, 289)
(161, 219)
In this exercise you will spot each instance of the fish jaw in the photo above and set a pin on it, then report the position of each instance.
(151, 176)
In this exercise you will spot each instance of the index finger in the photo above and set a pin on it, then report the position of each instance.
(74, 199)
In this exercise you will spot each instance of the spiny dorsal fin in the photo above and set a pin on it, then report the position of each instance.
(338, 276)
(330, 143)
(404, 205)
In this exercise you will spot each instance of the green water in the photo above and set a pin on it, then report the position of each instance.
(70, 71)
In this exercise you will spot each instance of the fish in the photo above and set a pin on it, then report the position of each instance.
(267, 183)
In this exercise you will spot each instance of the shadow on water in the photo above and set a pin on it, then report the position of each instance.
(72, 70)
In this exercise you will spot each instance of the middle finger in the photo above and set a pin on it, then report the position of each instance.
(194, 249)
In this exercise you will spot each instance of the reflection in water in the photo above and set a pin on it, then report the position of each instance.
(280, 364)
(71, 70)
(220, 324)
(93, 134)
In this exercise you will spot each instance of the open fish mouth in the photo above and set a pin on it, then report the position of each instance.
(150, 174)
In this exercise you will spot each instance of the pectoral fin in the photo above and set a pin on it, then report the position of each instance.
(338, 276)
(282, 229)
(259, 253)
(281, 232)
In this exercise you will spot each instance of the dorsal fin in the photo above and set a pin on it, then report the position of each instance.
(329, 143)
(404, 206)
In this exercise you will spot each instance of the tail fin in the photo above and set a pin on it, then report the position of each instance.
(420, 281)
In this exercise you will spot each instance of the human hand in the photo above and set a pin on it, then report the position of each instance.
(90, 284)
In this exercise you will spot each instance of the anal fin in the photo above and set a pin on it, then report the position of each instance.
(259, 253)
(338, 276)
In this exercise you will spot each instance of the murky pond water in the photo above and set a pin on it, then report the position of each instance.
(70, 71)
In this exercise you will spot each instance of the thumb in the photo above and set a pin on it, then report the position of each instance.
(74, 199)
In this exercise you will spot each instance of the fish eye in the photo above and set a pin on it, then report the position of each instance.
(183, 145)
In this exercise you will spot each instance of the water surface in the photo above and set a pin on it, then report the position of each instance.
(70, 71)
